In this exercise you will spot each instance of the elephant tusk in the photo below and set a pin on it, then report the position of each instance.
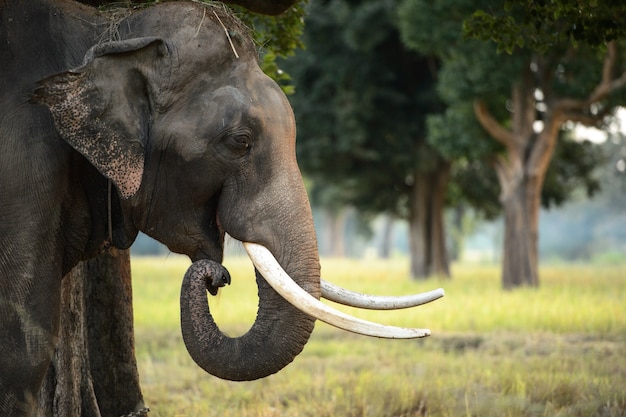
(343, 296)
(274, 274)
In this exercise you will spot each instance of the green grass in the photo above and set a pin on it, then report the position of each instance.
(559, 350)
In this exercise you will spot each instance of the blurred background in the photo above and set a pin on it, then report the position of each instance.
(433, 131)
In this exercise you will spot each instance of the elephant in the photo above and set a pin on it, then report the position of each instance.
(158, 120)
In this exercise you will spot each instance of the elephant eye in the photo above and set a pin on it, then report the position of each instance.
(234, 143)
(239, 143)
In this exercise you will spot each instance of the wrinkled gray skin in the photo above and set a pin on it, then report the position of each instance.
(195, 142)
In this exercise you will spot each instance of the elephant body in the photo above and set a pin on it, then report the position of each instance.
(158, 120)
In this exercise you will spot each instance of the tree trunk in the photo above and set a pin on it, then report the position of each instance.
(521, 173)
(111, 333)
(94, 372)
(520, 260)
(335, 232)
(386, 236)
(68, 387)
(458, 233)
(426, 227)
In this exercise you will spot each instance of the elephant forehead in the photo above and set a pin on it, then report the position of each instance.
(228, 96)
(226, 106)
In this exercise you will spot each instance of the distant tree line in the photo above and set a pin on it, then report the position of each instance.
(410, 107)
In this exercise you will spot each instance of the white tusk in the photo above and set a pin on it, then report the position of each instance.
(350, 298)
(274, 274)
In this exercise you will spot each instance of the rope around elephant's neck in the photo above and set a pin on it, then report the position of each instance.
(140, 413)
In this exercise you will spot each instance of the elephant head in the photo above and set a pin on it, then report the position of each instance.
(198, 142)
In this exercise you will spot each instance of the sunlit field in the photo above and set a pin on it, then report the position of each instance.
(559, 350)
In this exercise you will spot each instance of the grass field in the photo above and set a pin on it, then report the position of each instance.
(559, 350)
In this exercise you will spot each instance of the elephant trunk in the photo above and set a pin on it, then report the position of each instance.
(277, 336)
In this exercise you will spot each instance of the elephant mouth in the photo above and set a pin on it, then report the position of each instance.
(278, 279)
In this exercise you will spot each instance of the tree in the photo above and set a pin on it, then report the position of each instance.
(94, 371)
(522, 102)
(361, 100)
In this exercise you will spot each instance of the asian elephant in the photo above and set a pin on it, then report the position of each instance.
(156, 120)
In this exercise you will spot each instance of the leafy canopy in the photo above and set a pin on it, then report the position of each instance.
(540, 25)
(361, 100)
(474, 69)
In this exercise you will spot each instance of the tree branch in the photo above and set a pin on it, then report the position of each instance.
(491, 125)
(607, 84)
(566, 104)
(585, 119)
(509, 170)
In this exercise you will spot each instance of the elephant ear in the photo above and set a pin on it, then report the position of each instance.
(103, 108)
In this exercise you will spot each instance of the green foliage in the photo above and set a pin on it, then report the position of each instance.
(271, 68)
(469, 68)
(474, 184)
(434, 27)
(557, 350)
(457, 135)
(544, 25)
(279, 34)
(361, 101)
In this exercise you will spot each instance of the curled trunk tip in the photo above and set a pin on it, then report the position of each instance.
(271, 344)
